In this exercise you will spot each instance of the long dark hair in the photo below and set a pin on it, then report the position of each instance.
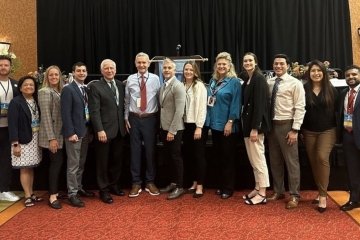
(257, 70)
(327, 92)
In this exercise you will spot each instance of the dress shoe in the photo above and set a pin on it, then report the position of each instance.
(321, 209)
(85, 193)
(349, 206)
(226, 195)
(293, 203)
(75, 201)
(55, 204)
(176, 193)
(116, 191)
(168, 188)
(198, 195)
(106, 197)
(190, 191)
(218, 192)
(276, 196)
(252, 201)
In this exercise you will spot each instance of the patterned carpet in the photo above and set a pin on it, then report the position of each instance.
(148, 217)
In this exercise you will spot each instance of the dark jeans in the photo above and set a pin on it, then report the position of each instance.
(173, 154)
(194, 153)
(5, 160)
(143, 130)
(109, 158)
(225, 152)
(56, 161)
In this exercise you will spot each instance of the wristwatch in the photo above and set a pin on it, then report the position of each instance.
(230, 121)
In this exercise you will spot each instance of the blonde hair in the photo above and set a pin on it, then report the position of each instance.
(226, 56)
(46, 78)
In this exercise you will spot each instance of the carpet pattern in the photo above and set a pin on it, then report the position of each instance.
(209, 217)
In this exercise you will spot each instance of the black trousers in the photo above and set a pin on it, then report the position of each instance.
(56, 162)
(109, 158)
(225, 152)
(5, 160)
(172, 151)
(194, 153)
(352, 160)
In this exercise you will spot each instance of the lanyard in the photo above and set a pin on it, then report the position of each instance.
(33, 109)
(214, 88)
(6, 91)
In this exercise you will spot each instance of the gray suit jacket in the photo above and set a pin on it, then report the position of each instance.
(50, 124)
(172, 103)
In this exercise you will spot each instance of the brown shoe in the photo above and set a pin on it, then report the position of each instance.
(135, 190)
(293, 203)
(152, 189)
(276, 196)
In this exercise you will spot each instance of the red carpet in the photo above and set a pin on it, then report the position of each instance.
(148, 217)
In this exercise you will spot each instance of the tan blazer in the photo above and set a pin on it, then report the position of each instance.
(172, 105)
(50, 122)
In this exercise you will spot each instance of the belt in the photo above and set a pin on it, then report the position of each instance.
(281, 122)
(142, 115)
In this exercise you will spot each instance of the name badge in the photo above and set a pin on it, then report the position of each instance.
(211, 101)
(348, 120)
(35, 125)
(4, 109)
(87, 114)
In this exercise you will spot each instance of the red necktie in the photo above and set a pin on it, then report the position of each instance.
(143, 94)
(350, 107)
(351, 98)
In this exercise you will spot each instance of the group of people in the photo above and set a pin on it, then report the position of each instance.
(282, 109)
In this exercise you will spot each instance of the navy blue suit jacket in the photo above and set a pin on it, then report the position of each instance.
(19, 118)
(73, 111)
(355, 120)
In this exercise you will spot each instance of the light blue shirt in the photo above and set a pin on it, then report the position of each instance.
(227, 104)
(132, 93)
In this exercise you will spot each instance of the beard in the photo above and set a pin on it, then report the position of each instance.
(4, 72)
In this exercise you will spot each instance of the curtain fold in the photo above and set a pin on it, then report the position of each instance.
(92, 30)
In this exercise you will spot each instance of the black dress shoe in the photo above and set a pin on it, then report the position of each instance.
(176, 193)
(198, 195)
(218, 192)
(75, 201)
(85, 193)
(55, 204)
(226, 195)
(116, 191)
(106, 197)
(168, 188)
(321, 209)
(349, 206)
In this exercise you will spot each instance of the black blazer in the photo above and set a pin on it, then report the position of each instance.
(256, 107)
(73, 111)
(19, 117)
(356, 118)
(104, 113)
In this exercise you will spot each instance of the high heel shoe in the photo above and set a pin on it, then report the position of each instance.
(250, 195)
(250, 201)
(322, 201)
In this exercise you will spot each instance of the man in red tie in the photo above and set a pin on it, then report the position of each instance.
(350, 132)
(141, 107)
